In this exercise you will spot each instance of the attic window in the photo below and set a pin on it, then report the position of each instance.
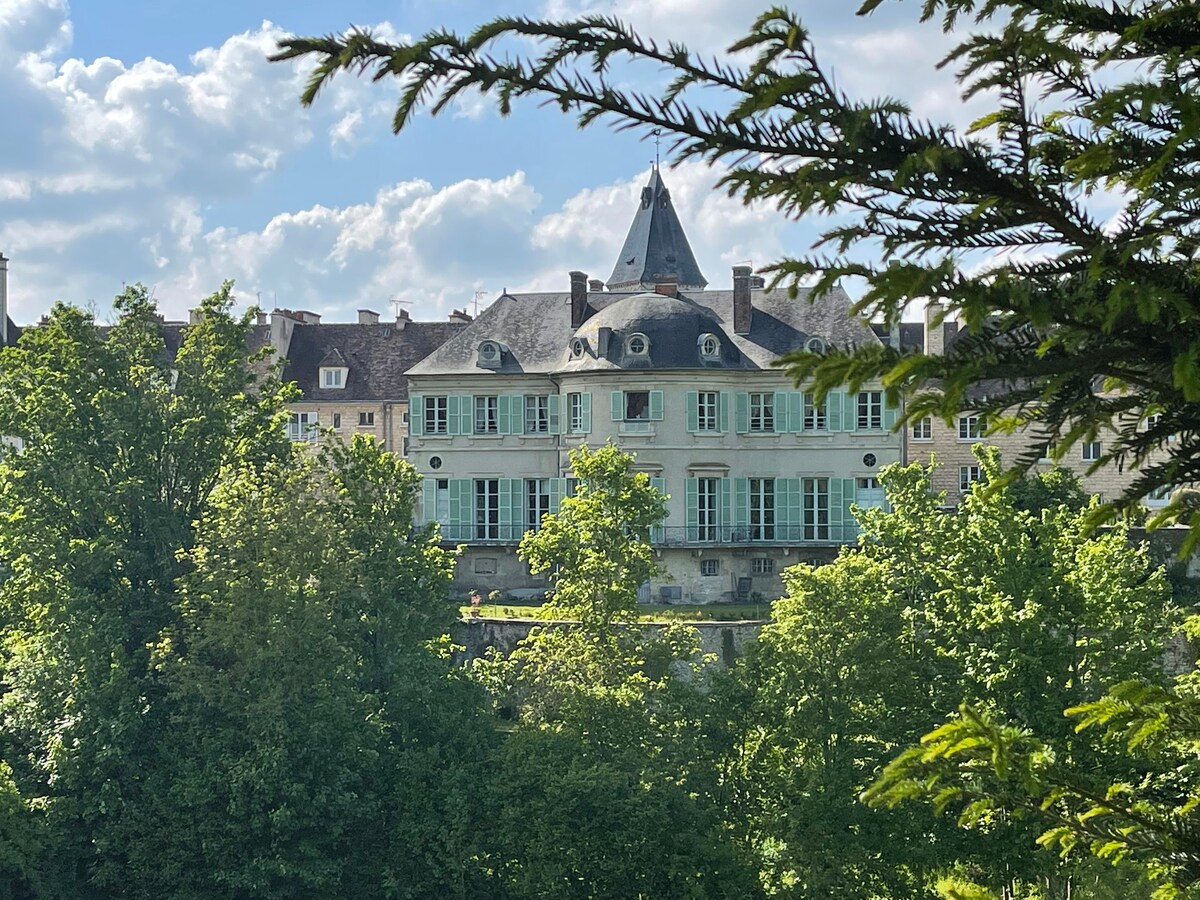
(490, 354)
(710, 347)
(333, 377)
(636, 345)
(815, 345)
(578, 348)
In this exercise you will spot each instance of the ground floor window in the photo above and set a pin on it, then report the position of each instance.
(537, 501)
(707, 520)
(710, 567)
(815, 497)
(762, 566)
(487, 508)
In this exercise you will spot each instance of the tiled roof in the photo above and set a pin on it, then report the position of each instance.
(656, 249)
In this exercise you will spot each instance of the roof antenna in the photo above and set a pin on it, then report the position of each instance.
(398, 305)
(478, 294)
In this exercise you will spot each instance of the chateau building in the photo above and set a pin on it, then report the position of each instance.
(758, 476)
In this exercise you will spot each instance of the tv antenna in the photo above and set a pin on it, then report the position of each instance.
(475, 302)
(398, 305)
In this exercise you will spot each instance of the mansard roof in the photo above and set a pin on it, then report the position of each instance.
(536, 329)
(656, 249)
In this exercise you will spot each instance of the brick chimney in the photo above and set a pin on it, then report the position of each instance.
(368, 317)
(402, 318)
(935, 335)
(579, 292)
(743, 309)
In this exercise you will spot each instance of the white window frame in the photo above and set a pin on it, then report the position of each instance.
(333, 378)
(537, 502)
(870, 410)
(815, 418)
(707, 406)
(302, 427)
(967, 476)
(487, 508)
(814, 496)
(575, 411)
(437, 415)
(762, 566)
(1090, 451)
(537, 414)
(637, 345)
(922, 429)
(970, 428)
(708, 509)
(762, 411)
(487, 414)
(710, 568)
(366, 419)
(762, 509)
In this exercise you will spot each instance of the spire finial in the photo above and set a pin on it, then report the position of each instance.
(657, 132)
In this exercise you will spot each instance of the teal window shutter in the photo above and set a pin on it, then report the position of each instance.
(428, 500)
(742, 412)
(506, 507)
(692, 516)
(790, 508)
(723, 411)
(779, 417)
(849, 412)
(585, 407)
(656, 406)
(741, 504)
(452, 403)
(416, 414)
(782, 521)
(658, 532)
(725, 516)
(516, 410)
(693, 411)
(849, 523)
(459, 516)
(503, 416)
(836, 509)
(833, 410)
(554, 406)
(795, 401)
(618, 406)
(466, 414)
(890, 411)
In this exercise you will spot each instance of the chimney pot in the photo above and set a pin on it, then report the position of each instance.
(459, 315)
(368, 317)
(579, 291)
(743, 308)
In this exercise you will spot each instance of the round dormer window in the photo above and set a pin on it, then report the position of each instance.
(577, 348)
(710, 347)
(489, 350)
(815, 345)
(637, 345)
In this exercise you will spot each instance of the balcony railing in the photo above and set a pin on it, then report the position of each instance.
(680, 536)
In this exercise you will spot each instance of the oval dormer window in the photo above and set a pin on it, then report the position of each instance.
(815, 345)
(637, 345)
(489, 350)
(577, 348)
(710, 347)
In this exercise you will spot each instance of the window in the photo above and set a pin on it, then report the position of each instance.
(922, 430)
(487, 508)
(814, 414)
(575, 412)
(710, 567)
(302, 426)
(1048, 452)
(706, 411)
(870, 409)
(636, 345)
(332, 378)
(710, 347)
(1091, 451)
(967, 476)
(762, 412)
(1159, 496)
(762, 509)
(436, 415)
(762, 566)
(366, 419)
(486, 421)
(706, 509)
(537, 414)
(441, 510)
(637, 406)
(1153, 420)
(537, 501)
(577, 348)
(815, 497)
(337, 420)
(969, 428)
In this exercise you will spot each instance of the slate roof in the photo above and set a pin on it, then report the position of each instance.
(656, 248)
(536, 329)
(376, 355)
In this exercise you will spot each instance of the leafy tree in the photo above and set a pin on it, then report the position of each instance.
(1010, 609)
(1086, 326)
(606, 790)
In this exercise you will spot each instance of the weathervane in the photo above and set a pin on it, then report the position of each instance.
(657, 132)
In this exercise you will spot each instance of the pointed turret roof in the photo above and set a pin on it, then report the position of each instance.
(656, 249)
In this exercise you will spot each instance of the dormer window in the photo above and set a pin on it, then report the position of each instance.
(815, 345)
(636, 345)
(578, 348)
(333, 377)
(710, 347)
(491, 354)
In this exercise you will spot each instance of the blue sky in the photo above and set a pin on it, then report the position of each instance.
(149, 140)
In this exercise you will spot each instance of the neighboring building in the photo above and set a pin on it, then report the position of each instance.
(351, 375)
(758, 477)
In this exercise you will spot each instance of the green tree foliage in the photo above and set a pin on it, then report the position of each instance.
(607, 790)
(1009, 609)
(1088, 98)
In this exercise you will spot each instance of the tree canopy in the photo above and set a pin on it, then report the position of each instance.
(1084, 324)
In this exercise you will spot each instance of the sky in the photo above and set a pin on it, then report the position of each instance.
(152, 141)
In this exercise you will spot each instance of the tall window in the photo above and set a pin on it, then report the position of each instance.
(1092, 451)
(706, 411)
(437, 417)
(762, 412)
(969, 428)
(815, 497)
(922, 429)
(487, 508)
(814, 413)
(706, 509)
(637, 406)
(762, 509)
(441, 501)
(537, 501)
(967, 476)
(486, 415)
(870, 409)
(302, 426)
(575, 412)
(537, 414)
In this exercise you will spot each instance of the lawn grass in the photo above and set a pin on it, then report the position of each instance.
(650, 612)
